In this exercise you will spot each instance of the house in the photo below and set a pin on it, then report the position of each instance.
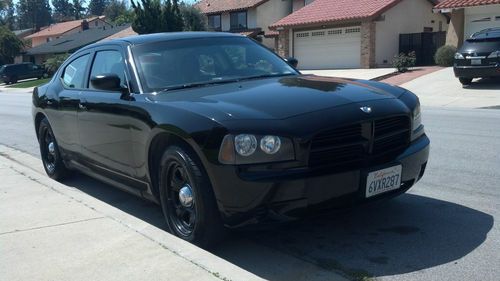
(121, 34)
(248, 17)
(57, 30)
(325, 34)
(468, 17)
(22, 33)
(70, 43)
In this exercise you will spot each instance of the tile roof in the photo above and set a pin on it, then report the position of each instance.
(445, 4)
(59, 28)
(219, 6)
(72, 42)
(323, 11)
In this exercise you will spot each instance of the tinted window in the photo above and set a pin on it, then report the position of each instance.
(214, 22)
(108, 62)
(74, 73)
(239, 20)
(209, 60)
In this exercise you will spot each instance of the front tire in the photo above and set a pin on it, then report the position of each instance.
(49, 151)
(187, 199)
(465, 81)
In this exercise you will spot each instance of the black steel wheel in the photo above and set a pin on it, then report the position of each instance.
(187, 198)
(49, 151)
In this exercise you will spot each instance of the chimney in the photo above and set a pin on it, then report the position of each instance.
(85, 25)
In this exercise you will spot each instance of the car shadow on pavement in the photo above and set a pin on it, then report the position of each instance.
(403, 235)
(485, 84)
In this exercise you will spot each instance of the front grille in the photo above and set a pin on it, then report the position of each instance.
(361, 144)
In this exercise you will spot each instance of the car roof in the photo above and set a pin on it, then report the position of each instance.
(161, 37)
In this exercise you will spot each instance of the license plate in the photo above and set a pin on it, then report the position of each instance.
(476, 62)
(383, 180)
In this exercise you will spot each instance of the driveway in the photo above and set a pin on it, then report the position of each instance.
(441, 88)
(365, 74)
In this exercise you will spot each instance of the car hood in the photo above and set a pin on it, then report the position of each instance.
(275, 98)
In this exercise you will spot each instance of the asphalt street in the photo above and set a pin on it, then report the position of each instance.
(442, 229)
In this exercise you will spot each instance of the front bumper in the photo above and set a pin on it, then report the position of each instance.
(244, 198)
(477, 71)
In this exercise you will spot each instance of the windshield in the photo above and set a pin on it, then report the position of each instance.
(194, 62)
(492, 34)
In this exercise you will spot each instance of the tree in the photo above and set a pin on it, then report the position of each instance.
(63, 10)
(152, 16)
(10, 45)
(54, 62)
(33, 13)
(7, 11)
(78, 9)
(115, 9)
(96, 7)
(193, 18)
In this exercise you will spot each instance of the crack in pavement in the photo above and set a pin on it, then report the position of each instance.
(48, 226)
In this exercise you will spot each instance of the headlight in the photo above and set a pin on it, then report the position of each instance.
(459, 56)
(244, 149)
(245, 145)
(417, 117)
(270, 144)
(495, 54)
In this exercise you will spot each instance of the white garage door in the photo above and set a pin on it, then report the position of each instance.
(328, 48)
(478, 22)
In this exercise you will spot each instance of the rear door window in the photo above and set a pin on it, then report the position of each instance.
(74, 73)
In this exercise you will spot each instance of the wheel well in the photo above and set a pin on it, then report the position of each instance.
(158, 145)
(38, 118)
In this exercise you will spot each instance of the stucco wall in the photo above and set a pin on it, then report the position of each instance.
(455, 33)
(269, 13)
(409, 16)
(225, 22)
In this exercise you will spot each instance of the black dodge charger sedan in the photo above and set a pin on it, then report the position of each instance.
(220, 131)
(479, 56)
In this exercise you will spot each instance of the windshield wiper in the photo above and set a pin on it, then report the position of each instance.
(216, 82)
(265, 76)
(197, 85)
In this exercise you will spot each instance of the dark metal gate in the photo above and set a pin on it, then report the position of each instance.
(424, 45)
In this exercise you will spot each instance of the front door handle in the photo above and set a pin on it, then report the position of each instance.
(82, 105)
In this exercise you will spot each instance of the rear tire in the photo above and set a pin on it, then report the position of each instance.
(49, 151)
(465, 81)
(187, 199)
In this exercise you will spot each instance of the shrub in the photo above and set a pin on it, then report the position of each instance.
(53, 63)
(404, 61)
(444, 55)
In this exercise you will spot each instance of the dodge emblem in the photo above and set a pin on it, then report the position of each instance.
(366, 109)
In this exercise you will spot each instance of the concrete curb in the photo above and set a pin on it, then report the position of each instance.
(31, 167)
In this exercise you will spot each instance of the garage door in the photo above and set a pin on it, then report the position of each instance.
(478, 22)
(328, 48)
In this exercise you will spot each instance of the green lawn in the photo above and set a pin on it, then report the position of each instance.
(29, 84)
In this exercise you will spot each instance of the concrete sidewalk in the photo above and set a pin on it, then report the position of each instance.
(49, 231)
(442, 89)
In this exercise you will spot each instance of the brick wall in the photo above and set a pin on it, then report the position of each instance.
(368, 44)
(284, 43)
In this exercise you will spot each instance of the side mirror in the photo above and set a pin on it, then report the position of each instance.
(107, 82)
(293, 62)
